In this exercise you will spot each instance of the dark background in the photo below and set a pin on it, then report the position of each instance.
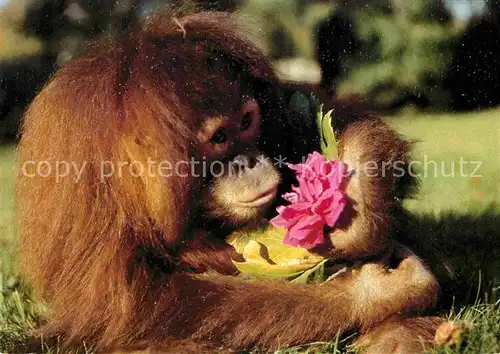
(434, 55)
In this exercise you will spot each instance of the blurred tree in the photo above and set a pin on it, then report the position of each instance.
(336, 40)
(474, 74)
(436, 11)
(421, 11)
(285, 28)
(401, 53)
(493, 8)
(62, 27)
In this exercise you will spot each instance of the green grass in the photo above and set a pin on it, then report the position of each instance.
(16, 312)
(445, 139)
(6, 197)
(7, 234)
(450, 209)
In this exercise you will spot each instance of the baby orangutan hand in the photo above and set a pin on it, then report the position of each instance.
(381, 291)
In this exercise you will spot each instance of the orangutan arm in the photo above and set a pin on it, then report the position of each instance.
(241, 314)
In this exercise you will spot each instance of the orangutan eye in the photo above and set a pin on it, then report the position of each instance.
(219, 137)
(246, 121)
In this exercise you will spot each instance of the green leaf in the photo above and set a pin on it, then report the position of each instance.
(266, 270)
(266, 255)
(313, 274)
(328, 141)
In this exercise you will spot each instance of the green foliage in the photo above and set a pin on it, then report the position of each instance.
(399, 54)
(328, 141)
(404, 47)
(286, 27)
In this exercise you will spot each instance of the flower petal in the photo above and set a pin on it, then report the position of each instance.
(289, 240)
(305, 190)
(291, 197)
(316, 200)
(299, 168)
(337, 205)
(305, 225)
(300, 195)
(290, 214)
(323, 204)
(308, 232)
(316, 237)
(316, 161)
(337, 174)
(316, 188)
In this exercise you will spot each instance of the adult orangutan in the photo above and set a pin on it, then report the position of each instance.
(128, 247)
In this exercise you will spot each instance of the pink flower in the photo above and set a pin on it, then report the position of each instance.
(317, 201)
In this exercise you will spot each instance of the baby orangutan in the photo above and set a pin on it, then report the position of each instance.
(363, 238)
(136, 256)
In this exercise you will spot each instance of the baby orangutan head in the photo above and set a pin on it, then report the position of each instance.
(239, 181)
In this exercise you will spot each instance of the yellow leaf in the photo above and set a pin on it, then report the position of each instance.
(265, 254)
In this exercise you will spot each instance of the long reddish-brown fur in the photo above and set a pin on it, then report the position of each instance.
(111, 255)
